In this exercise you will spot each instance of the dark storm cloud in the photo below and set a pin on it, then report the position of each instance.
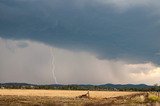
(84, 25)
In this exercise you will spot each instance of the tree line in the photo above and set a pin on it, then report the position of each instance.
(80, 87)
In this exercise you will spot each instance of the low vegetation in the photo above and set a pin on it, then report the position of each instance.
(63, 93)
(74, 97)
(154, 97)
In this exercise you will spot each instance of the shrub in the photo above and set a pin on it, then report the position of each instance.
(153, 98)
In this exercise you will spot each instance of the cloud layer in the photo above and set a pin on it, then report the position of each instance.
(32, 64)
(87, 25)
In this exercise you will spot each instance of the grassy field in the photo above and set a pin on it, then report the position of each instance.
(63, 93)
(60, 97)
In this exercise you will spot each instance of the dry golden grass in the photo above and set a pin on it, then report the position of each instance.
(62, 93)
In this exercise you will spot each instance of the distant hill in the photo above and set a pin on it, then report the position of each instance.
(126, 85)
(16, 84)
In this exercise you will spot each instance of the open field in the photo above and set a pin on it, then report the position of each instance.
(62, 97)
(63, 93)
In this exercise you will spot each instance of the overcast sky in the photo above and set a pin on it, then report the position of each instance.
(94, 41)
